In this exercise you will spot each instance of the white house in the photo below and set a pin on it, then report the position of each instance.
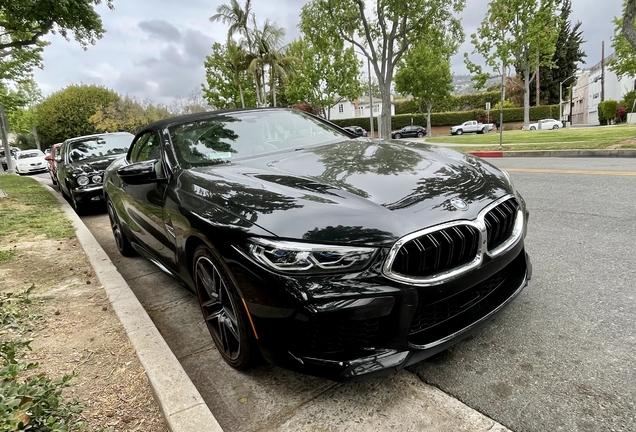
(586, 93)
(346, 109)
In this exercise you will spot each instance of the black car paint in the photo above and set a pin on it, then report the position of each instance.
(409, 131)
(355, 192)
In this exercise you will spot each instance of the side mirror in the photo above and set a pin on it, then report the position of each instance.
(58, 158)
(138, 173)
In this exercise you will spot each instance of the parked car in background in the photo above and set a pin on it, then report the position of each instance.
(471, 126)
(3, 159)
(80, 164)
(356, 130)
(545, 124)
(29, 161)
(409, 131)
(52, 166)
(329, 255)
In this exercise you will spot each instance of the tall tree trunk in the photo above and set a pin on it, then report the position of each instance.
(385, 129)
(257, 87)
(538, 87)
(274, 89)
(429, 108)
(526, 98)
(242, 97)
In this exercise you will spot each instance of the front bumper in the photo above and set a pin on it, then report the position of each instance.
(88, 193)
(31, 169)
(366, 326)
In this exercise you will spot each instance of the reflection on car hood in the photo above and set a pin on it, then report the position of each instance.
(362, 191)
(94, 165)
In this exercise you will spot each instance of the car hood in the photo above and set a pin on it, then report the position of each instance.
(93, 165)
(358, 191)
(32, 159)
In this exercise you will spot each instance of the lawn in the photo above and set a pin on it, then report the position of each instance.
(29, 210)
(595, 137)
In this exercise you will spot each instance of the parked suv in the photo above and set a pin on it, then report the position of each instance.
(409, 131)
(3, 159)
(81, 163)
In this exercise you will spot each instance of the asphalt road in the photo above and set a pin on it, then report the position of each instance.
(561, 357)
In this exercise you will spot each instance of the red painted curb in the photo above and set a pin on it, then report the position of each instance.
(487, 153)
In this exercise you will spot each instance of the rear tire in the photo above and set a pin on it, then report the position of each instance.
(555, 127)
(398, 136)
(121, 240)
(420, 134)
(533, 128)
(223, 310)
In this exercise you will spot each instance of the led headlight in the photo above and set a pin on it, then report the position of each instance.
(292, 257)
(82, 180)
(97, 179)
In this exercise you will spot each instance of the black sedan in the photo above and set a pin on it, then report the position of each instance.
(409, 131)
(80, 164)
(326, 254)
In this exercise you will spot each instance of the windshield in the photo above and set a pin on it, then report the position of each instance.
(98, 147)
(223, 137)
(31, 154)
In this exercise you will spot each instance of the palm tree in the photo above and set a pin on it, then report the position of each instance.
(238, 19)
(238, 63)
(270, 57)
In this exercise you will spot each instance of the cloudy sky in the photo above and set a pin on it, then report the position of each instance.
(155, 48)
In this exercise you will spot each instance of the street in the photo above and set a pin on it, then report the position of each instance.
(561, 357)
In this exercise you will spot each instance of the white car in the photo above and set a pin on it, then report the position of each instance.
(471, 126)
(545, 124)
(30, 161)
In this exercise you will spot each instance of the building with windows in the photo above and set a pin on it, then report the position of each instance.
(587, 92)
(358, 108)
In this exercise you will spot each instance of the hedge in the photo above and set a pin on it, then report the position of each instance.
(454, 103)
(454, 118)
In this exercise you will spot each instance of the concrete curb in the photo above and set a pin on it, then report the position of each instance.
(181, 403)
(626, 153)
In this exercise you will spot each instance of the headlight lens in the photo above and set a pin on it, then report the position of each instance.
(292, 257)
(97, 179)
(82, 180)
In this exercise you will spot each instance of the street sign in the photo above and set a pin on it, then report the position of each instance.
(488, 106)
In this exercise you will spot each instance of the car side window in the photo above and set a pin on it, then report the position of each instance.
(146, 148)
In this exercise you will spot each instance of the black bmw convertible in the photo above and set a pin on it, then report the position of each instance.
(330, 255)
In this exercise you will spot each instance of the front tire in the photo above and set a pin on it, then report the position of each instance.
(533, 128)
(222, 310)
(420, 134)
(123, 244)
(459, 132)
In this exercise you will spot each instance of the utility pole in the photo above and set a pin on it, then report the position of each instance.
(603, 71)
(5, 141)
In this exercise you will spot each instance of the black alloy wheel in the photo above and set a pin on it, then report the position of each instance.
(123, 244)
(222, 310)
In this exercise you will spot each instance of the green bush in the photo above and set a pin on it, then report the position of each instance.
(607, 111)
(454, 118)
(407, 107)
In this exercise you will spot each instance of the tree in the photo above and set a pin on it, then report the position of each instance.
(519, 33)
(127, 115)
(624, 42)
(225, 83)
(325, 76)
(66, 113)
(193, 103)
(23, 23)
(238, 20)
(565, 59)
(384, 35)
(425, 73)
